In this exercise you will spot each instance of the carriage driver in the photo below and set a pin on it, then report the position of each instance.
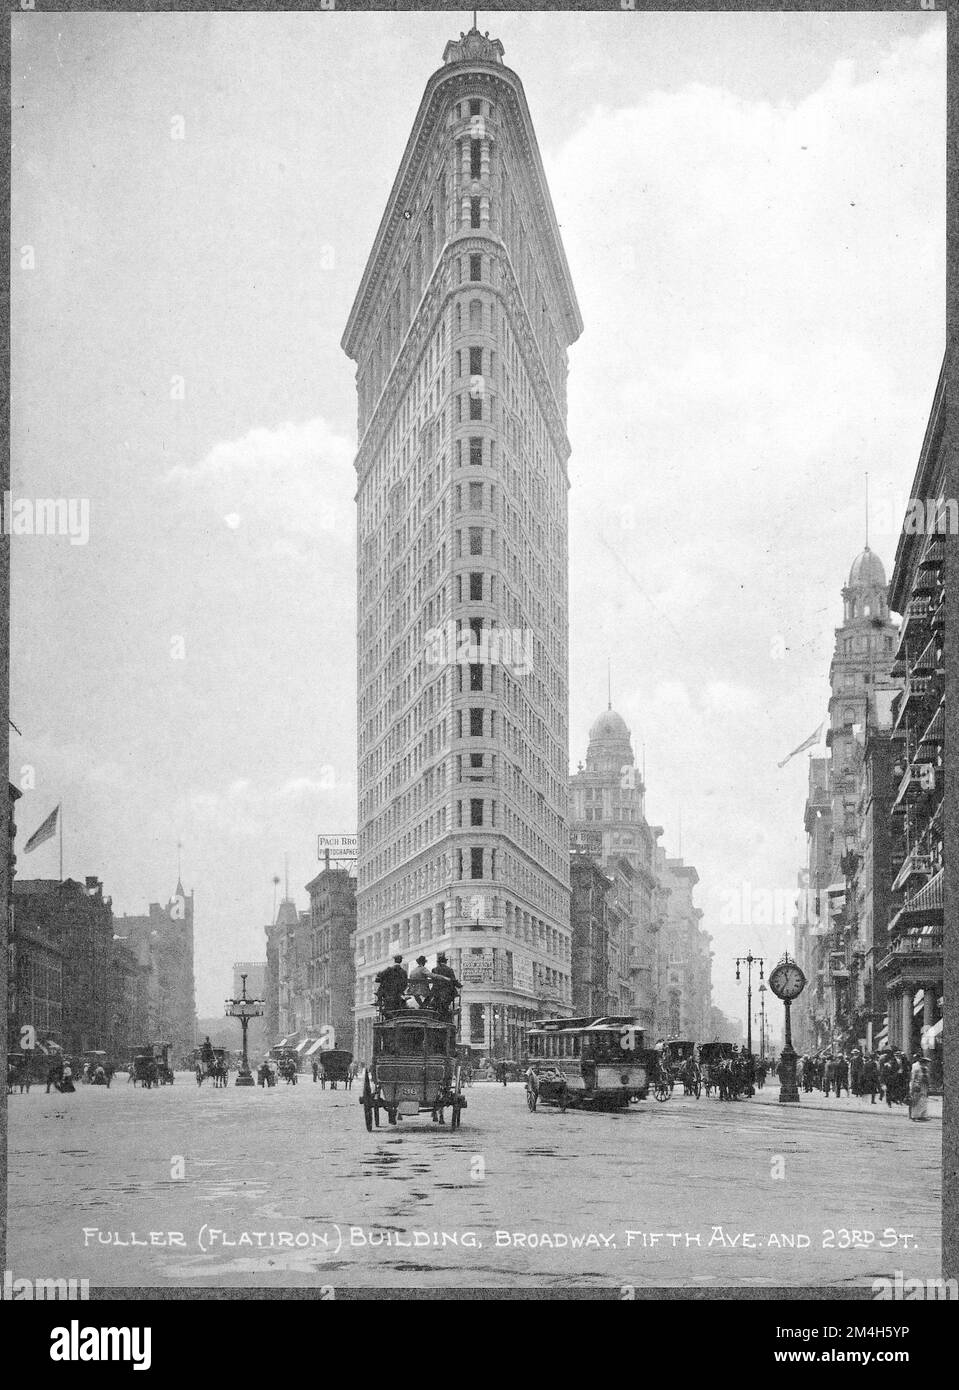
(392, 985)
(207, 1054)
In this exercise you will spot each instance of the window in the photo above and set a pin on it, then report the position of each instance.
(476, 760)
(476, 683)
(476, 361)
(476, 407)
(474, 221)
(476, 540)
(476, 723)
(476, 587)
(476, 497)
(476, 450)
(476, 812)
(476, 863)
(476, 266)
(474, 108)
(476, 156)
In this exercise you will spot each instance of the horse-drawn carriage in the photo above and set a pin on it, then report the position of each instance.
(152, 1065)
(335, 1067)
(724, 1070)
(216, 1068)
(415, 1068)
(680, 1055)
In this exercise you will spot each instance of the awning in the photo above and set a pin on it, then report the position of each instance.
(317, 1044)
(930, 1034)
(287, 1041)
(304, 1043)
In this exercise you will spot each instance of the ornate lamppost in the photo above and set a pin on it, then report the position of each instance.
(244, 1009)
(787, 982)
(749, 961)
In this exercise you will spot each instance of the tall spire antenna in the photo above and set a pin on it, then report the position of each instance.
(474, 19)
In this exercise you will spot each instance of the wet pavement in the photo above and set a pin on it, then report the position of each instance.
(282, 1187)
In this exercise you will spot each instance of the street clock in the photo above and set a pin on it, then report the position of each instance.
(787, 981)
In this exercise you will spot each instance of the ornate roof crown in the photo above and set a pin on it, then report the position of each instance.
(473, 47)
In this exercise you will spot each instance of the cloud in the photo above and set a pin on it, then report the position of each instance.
(287, 489)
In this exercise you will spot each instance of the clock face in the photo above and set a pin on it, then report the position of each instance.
(787, 981)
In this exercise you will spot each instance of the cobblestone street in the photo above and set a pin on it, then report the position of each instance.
(285, 1187)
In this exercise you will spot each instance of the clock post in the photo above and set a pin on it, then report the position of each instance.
(787, 982)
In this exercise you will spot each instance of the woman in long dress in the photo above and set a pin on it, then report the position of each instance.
(919, 1089)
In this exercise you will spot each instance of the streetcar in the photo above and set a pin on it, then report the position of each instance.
(415, 1069)
(599, 1063)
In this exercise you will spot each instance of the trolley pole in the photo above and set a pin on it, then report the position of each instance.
(749, 961)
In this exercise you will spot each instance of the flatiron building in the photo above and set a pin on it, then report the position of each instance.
(459, 332)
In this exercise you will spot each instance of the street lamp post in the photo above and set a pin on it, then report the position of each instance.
(762, 1022)
(749, 961)
(244, 1009)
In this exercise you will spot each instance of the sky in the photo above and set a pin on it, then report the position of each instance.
(753, 211)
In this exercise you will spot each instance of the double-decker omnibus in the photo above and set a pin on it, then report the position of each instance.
(586, 1061)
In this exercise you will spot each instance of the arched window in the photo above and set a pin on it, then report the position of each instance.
(476, 314)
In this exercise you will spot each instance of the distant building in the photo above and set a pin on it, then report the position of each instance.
(608, 821)
(685, 993)
(721, 1028)
(162, 941)
(73, 922)
(287, 969)
(590, 920)
(832, 1012)
(331, 971)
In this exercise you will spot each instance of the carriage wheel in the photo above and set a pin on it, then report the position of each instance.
(366, 1100)
(531, 1097)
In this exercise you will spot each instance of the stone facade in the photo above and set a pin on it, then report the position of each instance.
(460, 330)
(331, 972)
(912, 966)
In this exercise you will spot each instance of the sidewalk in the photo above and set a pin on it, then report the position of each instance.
(815, 1100)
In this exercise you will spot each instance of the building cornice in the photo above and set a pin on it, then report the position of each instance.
(911, 542)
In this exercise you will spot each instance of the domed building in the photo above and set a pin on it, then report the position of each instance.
(609, 836)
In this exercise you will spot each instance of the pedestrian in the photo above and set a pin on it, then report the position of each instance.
(919, 1088)
(66, 1085)
(316, 1069)
(503, 1072)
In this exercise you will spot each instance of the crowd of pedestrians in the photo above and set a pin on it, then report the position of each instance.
(886, 1075)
